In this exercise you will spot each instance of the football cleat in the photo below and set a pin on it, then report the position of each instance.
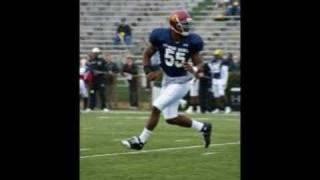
(206, 132)
(133, 143)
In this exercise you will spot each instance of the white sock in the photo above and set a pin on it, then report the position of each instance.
(145, 135)
(196, 125)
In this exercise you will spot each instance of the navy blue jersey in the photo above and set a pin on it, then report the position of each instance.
(174, 54)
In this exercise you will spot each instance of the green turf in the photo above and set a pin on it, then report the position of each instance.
(100, 133)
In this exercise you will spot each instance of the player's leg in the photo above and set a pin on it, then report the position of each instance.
(196, 97)
(135, 91)
(224, 100)
(133, 94)
(108, 93)
(192, 105)
(167, 96)
(92, 97)
(216, 98)
(197, 104)
(225, 104)
(114, 95)
(170, 113)
(137, 142)
(84, 94)
(203, 98)
(102, 95)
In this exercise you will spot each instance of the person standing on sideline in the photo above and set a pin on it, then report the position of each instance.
(130, 72)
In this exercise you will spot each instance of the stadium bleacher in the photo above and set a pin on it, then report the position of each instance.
(99, 19)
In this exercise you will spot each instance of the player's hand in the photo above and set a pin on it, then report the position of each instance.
(200, 75)
(188, 67)
(154, 75)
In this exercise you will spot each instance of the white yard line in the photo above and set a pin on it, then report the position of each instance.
(84, 149)
(155, 150)
(148, 112)
(209, 153)
(112, 117)
(182, 140)
(86, 128)
(145, 118)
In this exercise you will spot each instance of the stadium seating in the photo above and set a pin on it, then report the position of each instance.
(99, 20)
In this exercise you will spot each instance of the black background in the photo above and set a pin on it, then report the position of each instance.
(40, 117)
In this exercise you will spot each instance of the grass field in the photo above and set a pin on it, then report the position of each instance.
(173, 153)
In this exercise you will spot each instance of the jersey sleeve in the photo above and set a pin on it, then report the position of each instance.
(196, 44)
(154, 37)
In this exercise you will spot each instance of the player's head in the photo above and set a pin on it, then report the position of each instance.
(218, 54)
(180, 22)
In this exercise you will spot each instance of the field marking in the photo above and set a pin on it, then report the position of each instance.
(148, 112)
(108, 117)
(84, 149)
(145, 118)
(156, 150)
(209, 153)
(206, 119)
(182, 140)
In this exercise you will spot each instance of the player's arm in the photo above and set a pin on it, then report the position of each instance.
(148, 53)
(197, 63)
(151, 72)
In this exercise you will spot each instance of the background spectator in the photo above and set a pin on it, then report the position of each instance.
(111, 81)
(194, 96)
(123, 33)
(222, 3)
(130, 71)
(98, 67)
(83, 85)
(233, 10)
(205, 89)
(220, 73)
(230, 62)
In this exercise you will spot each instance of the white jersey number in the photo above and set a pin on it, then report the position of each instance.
(174, 58)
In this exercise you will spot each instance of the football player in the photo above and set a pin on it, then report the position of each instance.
(176, 45)
(219, 71)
